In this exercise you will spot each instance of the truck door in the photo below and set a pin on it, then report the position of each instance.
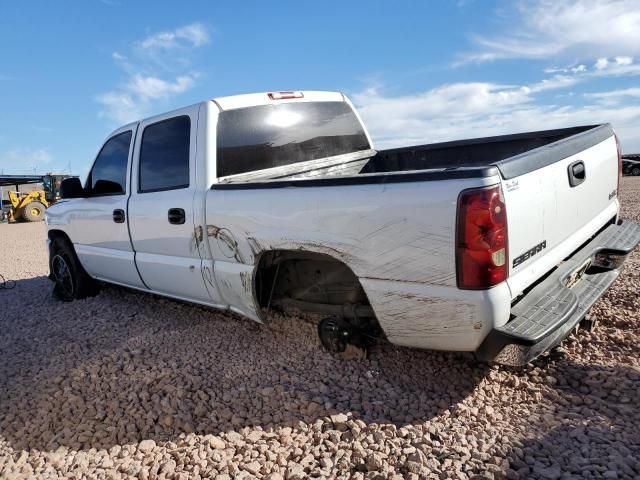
(98, 222)
(161, 213)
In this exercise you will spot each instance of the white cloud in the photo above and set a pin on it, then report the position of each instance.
(604, 63)
(24, 159)
(155, 73)
(546, 29)
(467, 110)
(434, 114)
(134, 100)
(603, 67)
(615, 97)
(555, 82)
(445, 99)
(195, 35)
(118, 57)
(582, 68)
(625, 92)
(399, 119)
(121, 107)
(624, 60)
(617, 67)
(150, 88)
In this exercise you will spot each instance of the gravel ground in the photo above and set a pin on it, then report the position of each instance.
(127, 385)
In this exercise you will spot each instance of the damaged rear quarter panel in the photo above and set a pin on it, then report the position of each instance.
(396, 232)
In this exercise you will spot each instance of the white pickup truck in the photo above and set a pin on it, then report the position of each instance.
(497, 246)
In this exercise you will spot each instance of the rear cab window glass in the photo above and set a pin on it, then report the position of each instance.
(266, 136)
(164, 155)
(109, 173)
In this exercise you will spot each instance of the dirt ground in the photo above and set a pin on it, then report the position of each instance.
(128, 385)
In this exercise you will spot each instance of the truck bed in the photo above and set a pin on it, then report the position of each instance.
(505, 152)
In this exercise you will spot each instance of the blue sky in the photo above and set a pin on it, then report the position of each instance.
(419, 71)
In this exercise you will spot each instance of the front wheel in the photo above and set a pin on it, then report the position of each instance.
(71, 280)
(635, 171)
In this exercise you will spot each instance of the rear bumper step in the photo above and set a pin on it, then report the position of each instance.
(552, 309)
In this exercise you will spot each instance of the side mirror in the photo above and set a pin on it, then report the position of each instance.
(106, 187)
(71, 188)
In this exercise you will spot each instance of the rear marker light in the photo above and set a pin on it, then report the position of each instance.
(284, 95)
(482, 253)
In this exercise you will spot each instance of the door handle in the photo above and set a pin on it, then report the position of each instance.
(119, 216)
(176, 216)
(577, 173)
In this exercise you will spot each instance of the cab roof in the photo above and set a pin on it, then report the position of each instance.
(274, 98)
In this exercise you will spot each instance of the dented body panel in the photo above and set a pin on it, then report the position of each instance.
(437, 317)
(401, 259)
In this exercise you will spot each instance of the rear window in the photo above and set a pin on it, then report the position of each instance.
(269, 136)
(164, 155)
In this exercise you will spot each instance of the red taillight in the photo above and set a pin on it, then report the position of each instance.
(482, 254)
(284, 95)
(619, 164)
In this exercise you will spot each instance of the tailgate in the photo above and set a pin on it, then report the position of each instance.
(555, 209)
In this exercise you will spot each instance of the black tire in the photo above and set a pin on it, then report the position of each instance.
(635, 171)
(71, 281)
(33, 212)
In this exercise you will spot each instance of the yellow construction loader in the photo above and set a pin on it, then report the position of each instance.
(29, 206)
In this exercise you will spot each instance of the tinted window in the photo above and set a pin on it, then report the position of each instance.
(268, 136)
(109, 173)
(164, 155)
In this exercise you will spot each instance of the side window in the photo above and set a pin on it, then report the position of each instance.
(164, 155)
(109, 173)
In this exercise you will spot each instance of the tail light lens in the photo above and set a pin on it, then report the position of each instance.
(482, 256)
(619, 164)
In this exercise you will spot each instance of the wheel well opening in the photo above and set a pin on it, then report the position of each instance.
(58, 234)
(312, 283)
